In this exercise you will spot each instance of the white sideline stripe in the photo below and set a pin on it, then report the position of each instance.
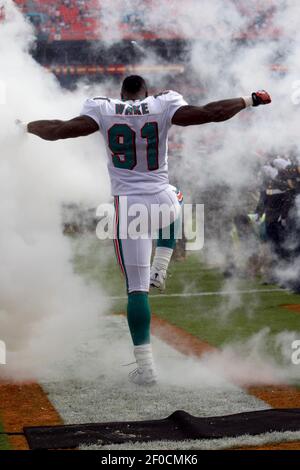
(204, 294)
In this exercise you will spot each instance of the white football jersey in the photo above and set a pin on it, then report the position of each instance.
(136, 139)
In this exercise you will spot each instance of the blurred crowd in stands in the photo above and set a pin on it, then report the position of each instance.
(63, 19)
(81, 19)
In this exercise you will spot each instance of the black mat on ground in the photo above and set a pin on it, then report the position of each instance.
(177, 427)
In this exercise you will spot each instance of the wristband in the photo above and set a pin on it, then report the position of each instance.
(248, 101)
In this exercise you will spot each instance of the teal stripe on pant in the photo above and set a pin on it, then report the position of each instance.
(118, 242)
(167, 242)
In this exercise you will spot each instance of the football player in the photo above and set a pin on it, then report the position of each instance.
(135, 130)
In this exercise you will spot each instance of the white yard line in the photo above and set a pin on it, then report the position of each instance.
(206, 294)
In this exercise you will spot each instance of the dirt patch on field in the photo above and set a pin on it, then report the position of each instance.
(181, 340)
(278, 397)
(25, 405)
(292, 307)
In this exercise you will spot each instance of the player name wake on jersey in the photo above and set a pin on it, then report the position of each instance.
(136, 140)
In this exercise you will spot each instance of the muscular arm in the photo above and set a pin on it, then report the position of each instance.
(55, 130)
(212, 112)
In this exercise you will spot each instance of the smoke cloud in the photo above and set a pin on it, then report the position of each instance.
(46, 309)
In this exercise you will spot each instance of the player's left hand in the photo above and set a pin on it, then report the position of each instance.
(261, 97)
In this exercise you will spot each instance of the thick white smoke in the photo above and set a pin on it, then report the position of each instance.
(46, 310)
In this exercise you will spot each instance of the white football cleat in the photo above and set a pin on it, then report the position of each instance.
(143, 376)
(158, 278)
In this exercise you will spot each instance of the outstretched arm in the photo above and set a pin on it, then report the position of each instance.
(217, 111)
(55, 130)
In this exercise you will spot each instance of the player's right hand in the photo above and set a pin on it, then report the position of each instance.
(261, 97)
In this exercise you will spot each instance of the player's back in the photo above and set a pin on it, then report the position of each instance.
(136, 138)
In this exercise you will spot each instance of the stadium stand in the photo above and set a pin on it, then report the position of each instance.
(72, 39)
(63, 20)
(66, 20)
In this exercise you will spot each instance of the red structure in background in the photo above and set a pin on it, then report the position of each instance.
(75, 38)
(66, 20)
(63, 20)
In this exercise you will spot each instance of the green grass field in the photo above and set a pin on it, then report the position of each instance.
(4, 444)
(218, 319)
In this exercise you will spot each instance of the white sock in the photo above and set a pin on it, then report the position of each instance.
(143, 355)
(162, 258)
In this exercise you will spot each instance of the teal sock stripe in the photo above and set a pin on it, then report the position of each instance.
(139, 317)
